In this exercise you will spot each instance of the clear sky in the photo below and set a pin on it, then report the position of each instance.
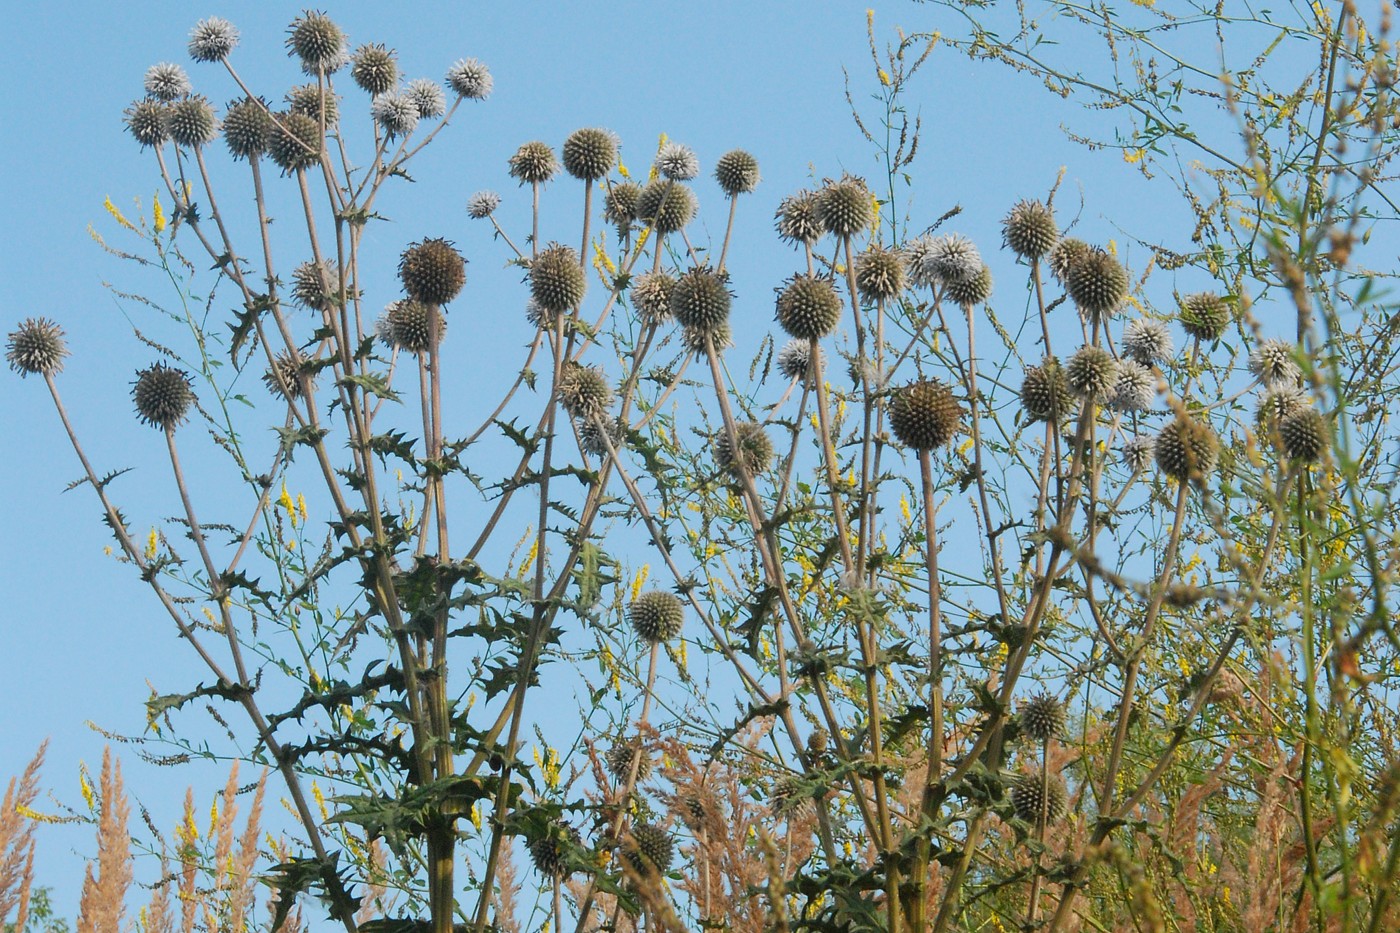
(83, 636)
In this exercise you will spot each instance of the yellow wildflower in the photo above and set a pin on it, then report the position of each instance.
(117, 215)
(157, 213)
(151, 541)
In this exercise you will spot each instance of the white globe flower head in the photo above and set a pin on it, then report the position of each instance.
(167, 81)
(395, 114)
(677, 162)
(470, 78)
(212, 39)
(427, 96)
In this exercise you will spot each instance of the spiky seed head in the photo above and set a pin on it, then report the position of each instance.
(331, 65)
(845, 207)
(411, 325)
(754, 453)
(396, 115)
(584, 391)
(212, 39)
(817, 741)
(167, 81)
(1303, 435)
(677, 162)
(589, 154)
(375, 69)
(1092, 373)
(36, 346)
(1277, 403)
(315, 286)
(737, 172)
(924, 415)
(700, 299)
(314, 101)
(618, 759)
(539, 316)
(1147, 341)
(534, 163)
(943, 260)
(795, 358)
(879, 273)
(1272, 361)
(1042, 717)
(695, 807)
(190, 122)
(470, 78)
(483, 204)
(145, 119)
(1045, 391)
(1186, 448)
(432, 271)
(1135, 388)
(591, 432)
(1063, 256)
(283, 377)
(548, 851)
(1137, 452)
(798, 220)
(557, 281)
(657, 616)
(316, 40)
(620, 205)
(1033, 804)
(1205, 315)
(787, 797)
(973, 291)
(427, 96)
(294, 141)
(808, 307)
(651, 849)
(163, 396)
(666, 205)
(1097, 283)
(651, 295)
(1029, 230)
(245, 127)
(695, 339)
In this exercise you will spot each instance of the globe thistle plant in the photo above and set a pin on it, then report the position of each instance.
(166, 81)
(1097, 283)
(592, 431)
(470, 79)
(1273, 363)
(533, 163)
(540, 317)
(968, 292)
(666, 205)
(1137, 452)
(548, 851)
(1092, 374)
(657, 616)
(375, 69)
(190, 122)
(483, 204)
(584, 392)
(1205, 315)
(163, 396)
(618, 759)
(318, 103)
(316, 40)
(1147, 341)
(283, 377)
(754, 451)
(1135, 388)
(794, 360)
(737, 173)
(245, 127)
(698, 341)
(798, 220)
(589, 154)
(651, 295)
(700, 300)
(329, 66)
(620, 205)
(808, 307)
(1042, 718)
(1036, 804)
(294, 141)
(315, 286)
(36, 346)
(1280, 401)
(1063, 256)
(677, 162)
(945, 260)
(879, 273)
(410, 325)
(845, 207)
(1186, 449)
(427, 96)
(432, 271)
(924, 415)
(395, 114)
(212, 39)
(1045, 392)
(145, 119)
(557, 281)
(650, 849)
(1029, 230)
(1303, 435)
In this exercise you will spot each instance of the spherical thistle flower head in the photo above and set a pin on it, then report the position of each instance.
(36, 346)
(314, 101)
(1272, 361)
(1277, 403)
(212, 39)
(973, 291)
(432, 271)
(427, 96)
(798, 220)
(483, 204)
(375, 69)
(879, 273)
(924, 415)
(584, 391)
(411, 323)
(167, 81)
(1045, 391)
(1029, 230)
(589, 153)
(316, 40)
(737, 172)
(845, 207)
(283, 377)
(1063, 255)
(666, 205)
(1186, 448)
(470, 78)
(163, 396)
(808, 307)
(697, 340)
(677, 162)
(592, 431)
(533, 163)
(1147, 341)
(787, 797)
(145, 119)
(539, 316)
(1135, 389)
(315, 286)
(1137, 452)
(620, 205)
(1092, 373)
(1042, 718)
(700, 299)
(396, 115)
(795, 358)
(294, 141)
(1034, 804)
(657, 616)
(946, 260)
(245, 127)
(1205, 315)
(618, 759)
(651, 295)
(650, 849)
(1303, 435)
(547, 852)
(754, 451)
(190, 122)
(557, 281)
(1097, 283)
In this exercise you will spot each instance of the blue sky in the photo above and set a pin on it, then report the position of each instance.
(82, 636)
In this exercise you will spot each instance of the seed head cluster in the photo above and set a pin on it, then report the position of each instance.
(754, 452)
(163, 396)
(924, 415)
(36, 346)
(657, 616)
(432, 271)
(557, 281)
(808, 307)
(589, 154)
